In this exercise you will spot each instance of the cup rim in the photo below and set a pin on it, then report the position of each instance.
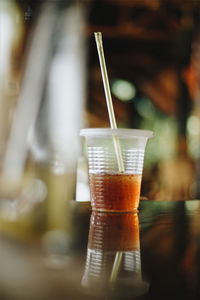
(121, 132)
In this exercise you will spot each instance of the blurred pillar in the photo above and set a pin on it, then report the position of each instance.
(55, 142)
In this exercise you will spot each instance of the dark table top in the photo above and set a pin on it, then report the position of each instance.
(154, 254)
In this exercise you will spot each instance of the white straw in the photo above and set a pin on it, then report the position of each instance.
(116, 143)
(99, 42)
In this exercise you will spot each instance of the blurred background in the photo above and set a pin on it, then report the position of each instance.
(51, 86)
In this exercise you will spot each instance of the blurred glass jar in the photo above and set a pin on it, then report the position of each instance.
(39, 142)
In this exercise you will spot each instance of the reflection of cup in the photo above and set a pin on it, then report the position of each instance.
(113, 232)
(111, 190)
(109, 235)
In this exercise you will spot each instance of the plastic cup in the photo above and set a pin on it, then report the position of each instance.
(111, 190)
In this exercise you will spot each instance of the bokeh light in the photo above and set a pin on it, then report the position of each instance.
(123, 89)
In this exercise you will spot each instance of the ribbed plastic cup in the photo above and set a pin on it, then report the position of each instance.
(111, 190)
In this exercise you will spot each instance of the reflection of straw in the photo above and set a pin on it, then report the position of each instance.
(98, 38)
(116, 266)
(99, 42)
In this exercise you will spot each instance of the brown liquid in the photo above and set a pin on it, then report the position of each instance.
(114, 232)
(115, 192)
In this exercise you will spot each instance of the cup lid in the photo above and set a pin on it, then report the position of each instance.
(121, 132)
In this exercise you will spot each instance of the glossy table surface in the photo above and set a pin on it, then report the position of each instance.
(154, 254)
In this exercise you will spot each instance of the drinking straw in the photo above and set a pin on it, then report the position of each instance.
(99, 43)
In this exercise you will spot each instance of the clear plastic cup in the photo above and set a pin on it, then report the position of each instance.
(110, 189)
